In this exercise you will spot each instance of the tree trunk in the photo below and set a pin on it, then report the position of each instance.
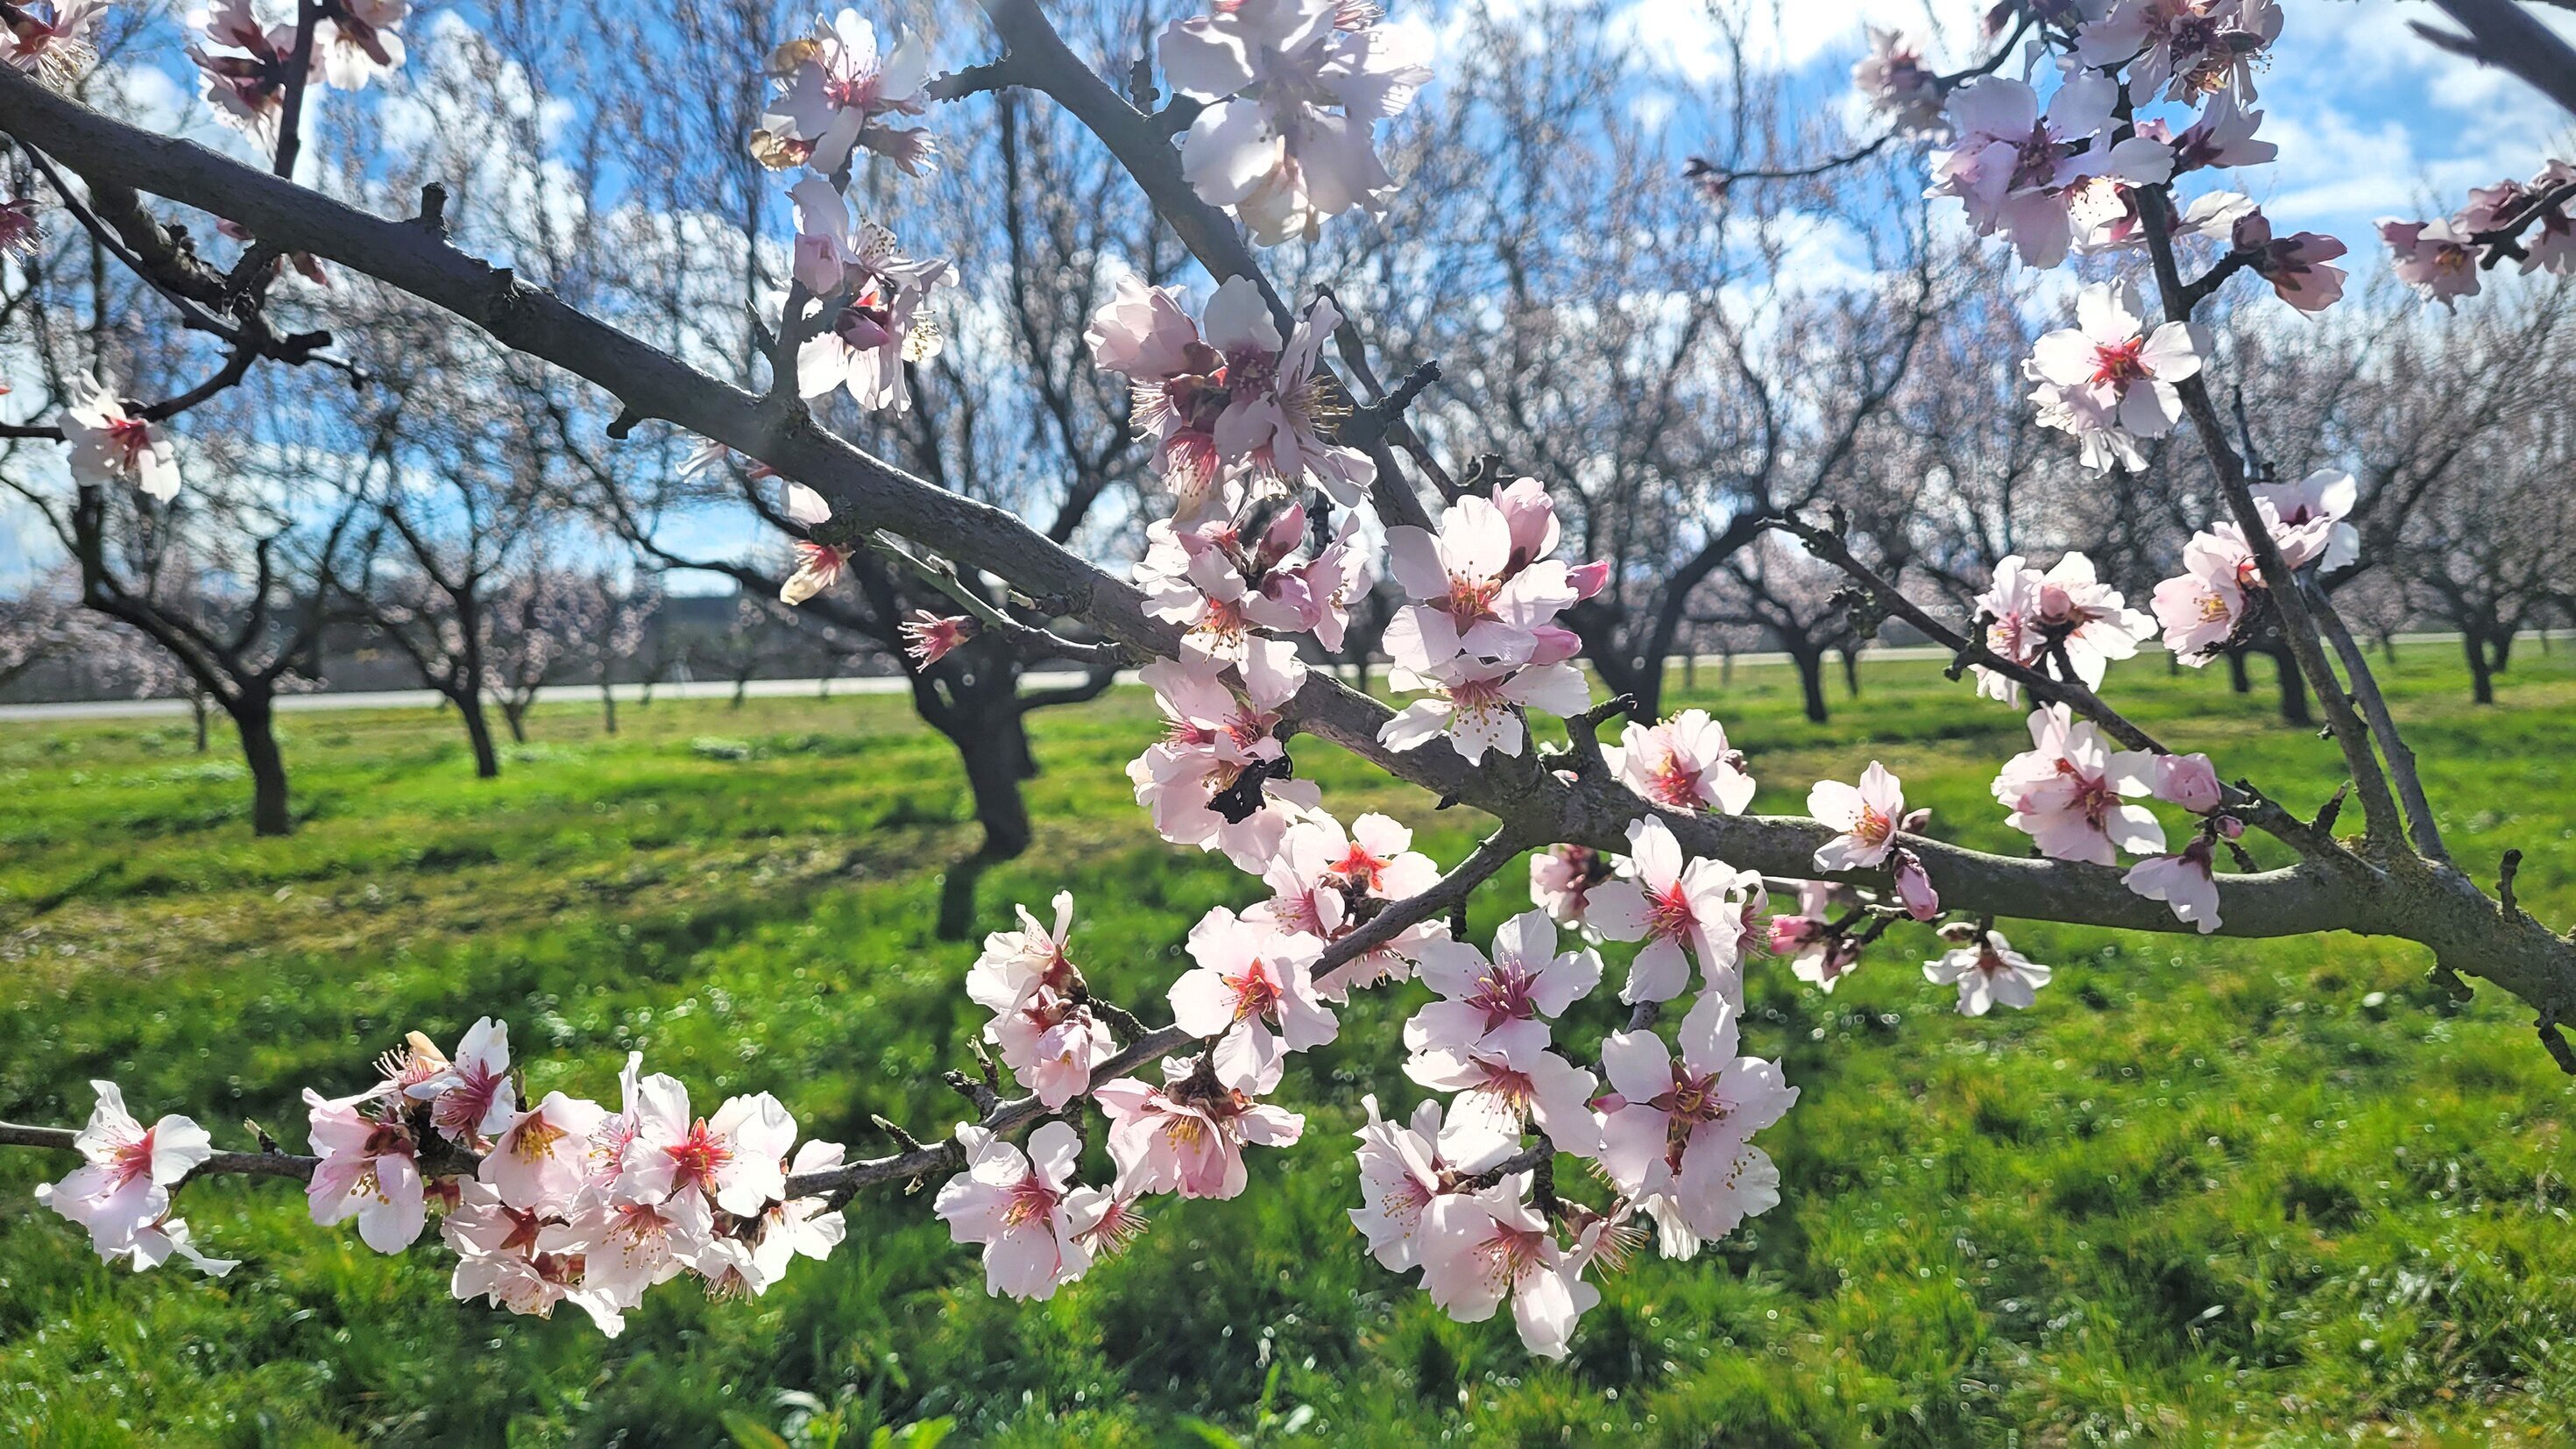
(2294, 690)
(741, 687)
(2481, 677)
(1690, 669)
(993, 744)
(197, 706)
(2388, 649)
(1726, 669)
(2237, 679)
(255, 722)
(515, 715)
(478, 730)
(2500, 649)
(607, 704)
(1811, 681)
(1851, 672)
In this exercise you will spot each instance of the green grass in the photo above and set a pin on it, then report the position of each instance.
(2207, 1192)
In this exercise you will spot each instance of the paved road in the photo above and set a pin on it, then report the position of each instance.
(723, 689)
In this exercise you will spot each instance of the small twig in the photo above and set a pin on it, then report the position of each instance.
(1583, 732)
(2506, 870)
(2555, 1041)
(891, 1129)
(1370, 421)
(1030, 639)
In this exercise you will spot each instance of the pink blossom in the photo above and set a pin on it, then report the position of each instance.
(1988, 971)
(2067, 790)
(1865, 816)
(359, 41)
(1016, 965)
(2189, 781)
(2223, 136)
(1897, 84)
(1196, 780)
(1254, 992)
(1297, 88)
(736, 1157)
(2014, 169)
(22, 235)
(1187, 1136)
(929, 637)
(2433, 257)
(1473, 589)
(369, 1167)
(838, 84)
(818, 567)
(1673, 904)
(2295, 265)
(1913, 884)
(1320, 878)
(2184, 882)
(156, 1243)
(541, 1158)
(499, 1259)
(1506, 1081)
(123, 1187)
(1562, 879)
(1402, 1169)
(2202, 607)
(876, 319)
(1476, 704)
(1053, 1043)
(472, 1097)
(1682, 763)
(2323, 498)
(1024, 1210)
(2186, 48)
(49, 39)
(1679, 1128)
(1479, 1248)
(110, 444)
(2108, 381)
(803, 1226)
(1524, 980)
(245, 67)
(2035, 616)
(627, 1247)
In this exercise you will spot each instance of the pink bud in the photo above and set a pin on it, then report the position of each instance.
(2231, 827)
(1282, 537)
(1554, 644)
(1914, 886)
(1588, 579)
(1532, 517)
(2054, 604)
(2189, 781)
(1790, 933)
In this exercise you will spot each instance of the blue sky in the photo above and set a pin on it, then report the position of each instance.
(2371, 121)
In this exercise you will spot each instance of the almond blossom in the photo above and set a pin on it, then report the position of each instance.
(877, 317)
(837, 86)
(736, 1157)
(1866, 816)
(359, 41)
(1507, 1081)
(1988, 972)
(627, 1247)
(244, 67)
(50, 39)
(1221, 586)
(930, 637)
(2067, 791)
(808, 1227)
(1679, 1128)
(1479, 1248)
(2038, 618)
(2295, 265)
(1525, 979)
(22, 235)
(1476, 703)
(1187, 1136)
(369, 1167)
(2203, 607)
(1297, 88)
(2434, 257)
(818, 567)
(124, 1188)
(2015, 169)
(1682, 763)
(2110, 383)
(2189, 781)
(1253, 992)
(2324, 498)
(2185, 881)
(1897, 84)
(1474, 588)
(500, 1259)
(1217, 780)
(1674, 905)
(1023, 1209)
(112, 444)
(1818, 953)
(540, 1158)
(1402, 1168)
(1323, 879)
(156, 1243)
(2185, 48)
(472, 1096)
(1016, 965)
(1562, 879)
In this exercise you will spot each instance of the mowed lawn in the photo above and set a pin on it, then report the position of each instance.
(2206, 1192)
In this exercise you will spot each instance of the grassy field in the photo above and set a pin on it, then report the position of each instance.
(2207, 1192)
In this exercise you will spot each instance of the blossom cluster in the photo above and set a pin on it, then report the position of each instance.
(246, 66)
(557, 1201)
(2525, 221)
